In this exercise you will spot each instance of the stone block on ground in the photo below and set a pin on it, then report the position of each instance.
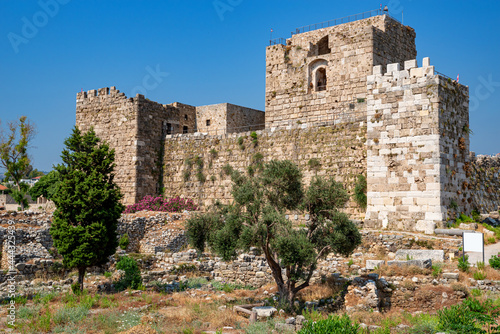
(264, 311)
(426, 264)
(373, 264)
(420, 254)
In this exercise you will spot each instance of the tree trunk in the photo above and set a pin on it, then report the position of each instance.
(81, 275)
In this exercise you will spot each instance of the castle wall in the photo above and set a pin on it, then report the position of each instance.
(228, 118)
(416, 147)
(114, 118)
(216, 114)
(184, 116)
(340, 151)
(484, 182)
(240, 119)
(292, 92)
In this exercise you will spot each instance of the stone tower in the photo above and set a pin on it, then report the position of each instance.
(321, 74)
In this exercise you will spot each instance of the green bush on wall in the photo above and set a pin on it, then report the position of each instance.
(360, 192)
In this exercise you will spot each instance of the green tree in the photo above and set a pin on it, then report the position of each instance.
(257, 218)
(46, 186)
(14, 158)
(88, 203)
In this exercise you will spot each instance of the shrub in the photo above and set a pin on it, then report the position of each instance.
(107, 274)
(360, 192)
(124, 241)
(333, 324)
(463, 263)
(228, 169)
(132, 276)
(436, 270)
(495, 261)
(472, 316)
(75, 287)
(150, 203)
(479, 275)
(68, 314)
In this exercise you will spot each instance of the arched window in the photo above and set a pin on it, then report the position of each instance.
(317, 75)
(320, 79)
(323, 47)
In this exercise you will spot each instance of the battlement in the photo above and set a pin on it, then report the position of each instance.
(410, 71)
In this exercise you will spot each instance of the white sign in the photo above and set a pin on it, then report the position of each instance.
(473, 242)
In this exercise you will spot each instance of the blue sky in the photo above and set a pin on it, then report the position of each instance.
(208, 52)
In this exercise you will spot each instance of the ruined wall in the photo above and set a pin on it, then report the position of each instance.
(292, 92)
(415, 155)
(194, 163)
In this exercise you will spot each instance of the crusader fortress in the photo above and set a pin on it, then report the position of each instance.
(344, 100)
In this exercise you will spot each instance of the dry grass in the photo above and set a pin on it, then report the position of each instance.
(404, 271)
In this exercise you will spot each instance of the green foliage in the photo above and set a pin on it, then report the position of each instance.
(495, 261)
(14, 155)
(108, 274)
(124, 241)
(333, 324)
(480, 265)
(132, 276)
(436, 270)
(240, 141)
(314, 164)
(463, 219)
(88, 203)
(75, 287)
(479, 275)
(476, 216)
(228, 169)
(20, 195)
(47, 186)
(463, 263)
(213, 153)
(257, 218)
(453, 204)
(67, 314)
(472, 316)
(360, 191)
(255, 141)
(201, 177)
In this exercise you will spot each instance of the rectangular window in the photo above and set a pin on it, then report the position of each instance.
(185, 129)
(208, 122)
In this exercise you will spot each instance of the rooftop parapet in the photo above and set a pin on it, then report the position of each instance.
(411, 70)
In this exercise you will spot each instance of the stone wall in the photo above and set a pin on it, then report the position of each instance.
(484, 182)
(228, 118)
(150, 235)
(114, 118)
(342, 55)
(416, 147)
(195, 164)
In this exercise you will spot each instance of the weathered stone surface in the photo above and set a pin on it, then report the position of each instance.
(450, 275)
(373, 264)
(420, 254)
(419, 263)
(264, 311)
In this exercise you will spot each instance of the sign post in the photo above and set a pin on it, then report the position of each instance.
(473, 242)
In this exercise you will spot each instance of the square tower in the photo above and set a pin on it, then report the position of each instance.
(321, 74)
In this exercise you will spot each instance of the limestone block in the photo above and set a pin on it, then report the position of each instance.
(373, 264)
(409, 64)
(421, 254)
(426, 264)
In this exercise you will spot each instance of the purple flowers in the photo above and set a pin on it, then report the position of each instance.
(150, 203)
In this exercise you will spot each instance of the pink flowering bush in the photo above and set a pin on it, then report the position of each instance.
(150, 203)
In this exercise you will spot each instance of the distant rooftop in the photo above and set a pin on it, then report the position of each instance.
(334, 22)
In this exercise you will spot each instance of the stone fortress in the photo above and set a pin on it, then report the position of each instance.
(345, 100)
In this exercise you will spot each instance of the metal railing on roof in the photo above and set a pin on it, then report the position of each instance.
(334, 22)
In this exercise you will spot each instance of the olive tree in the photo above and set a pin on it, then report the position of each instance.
(257, 218)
